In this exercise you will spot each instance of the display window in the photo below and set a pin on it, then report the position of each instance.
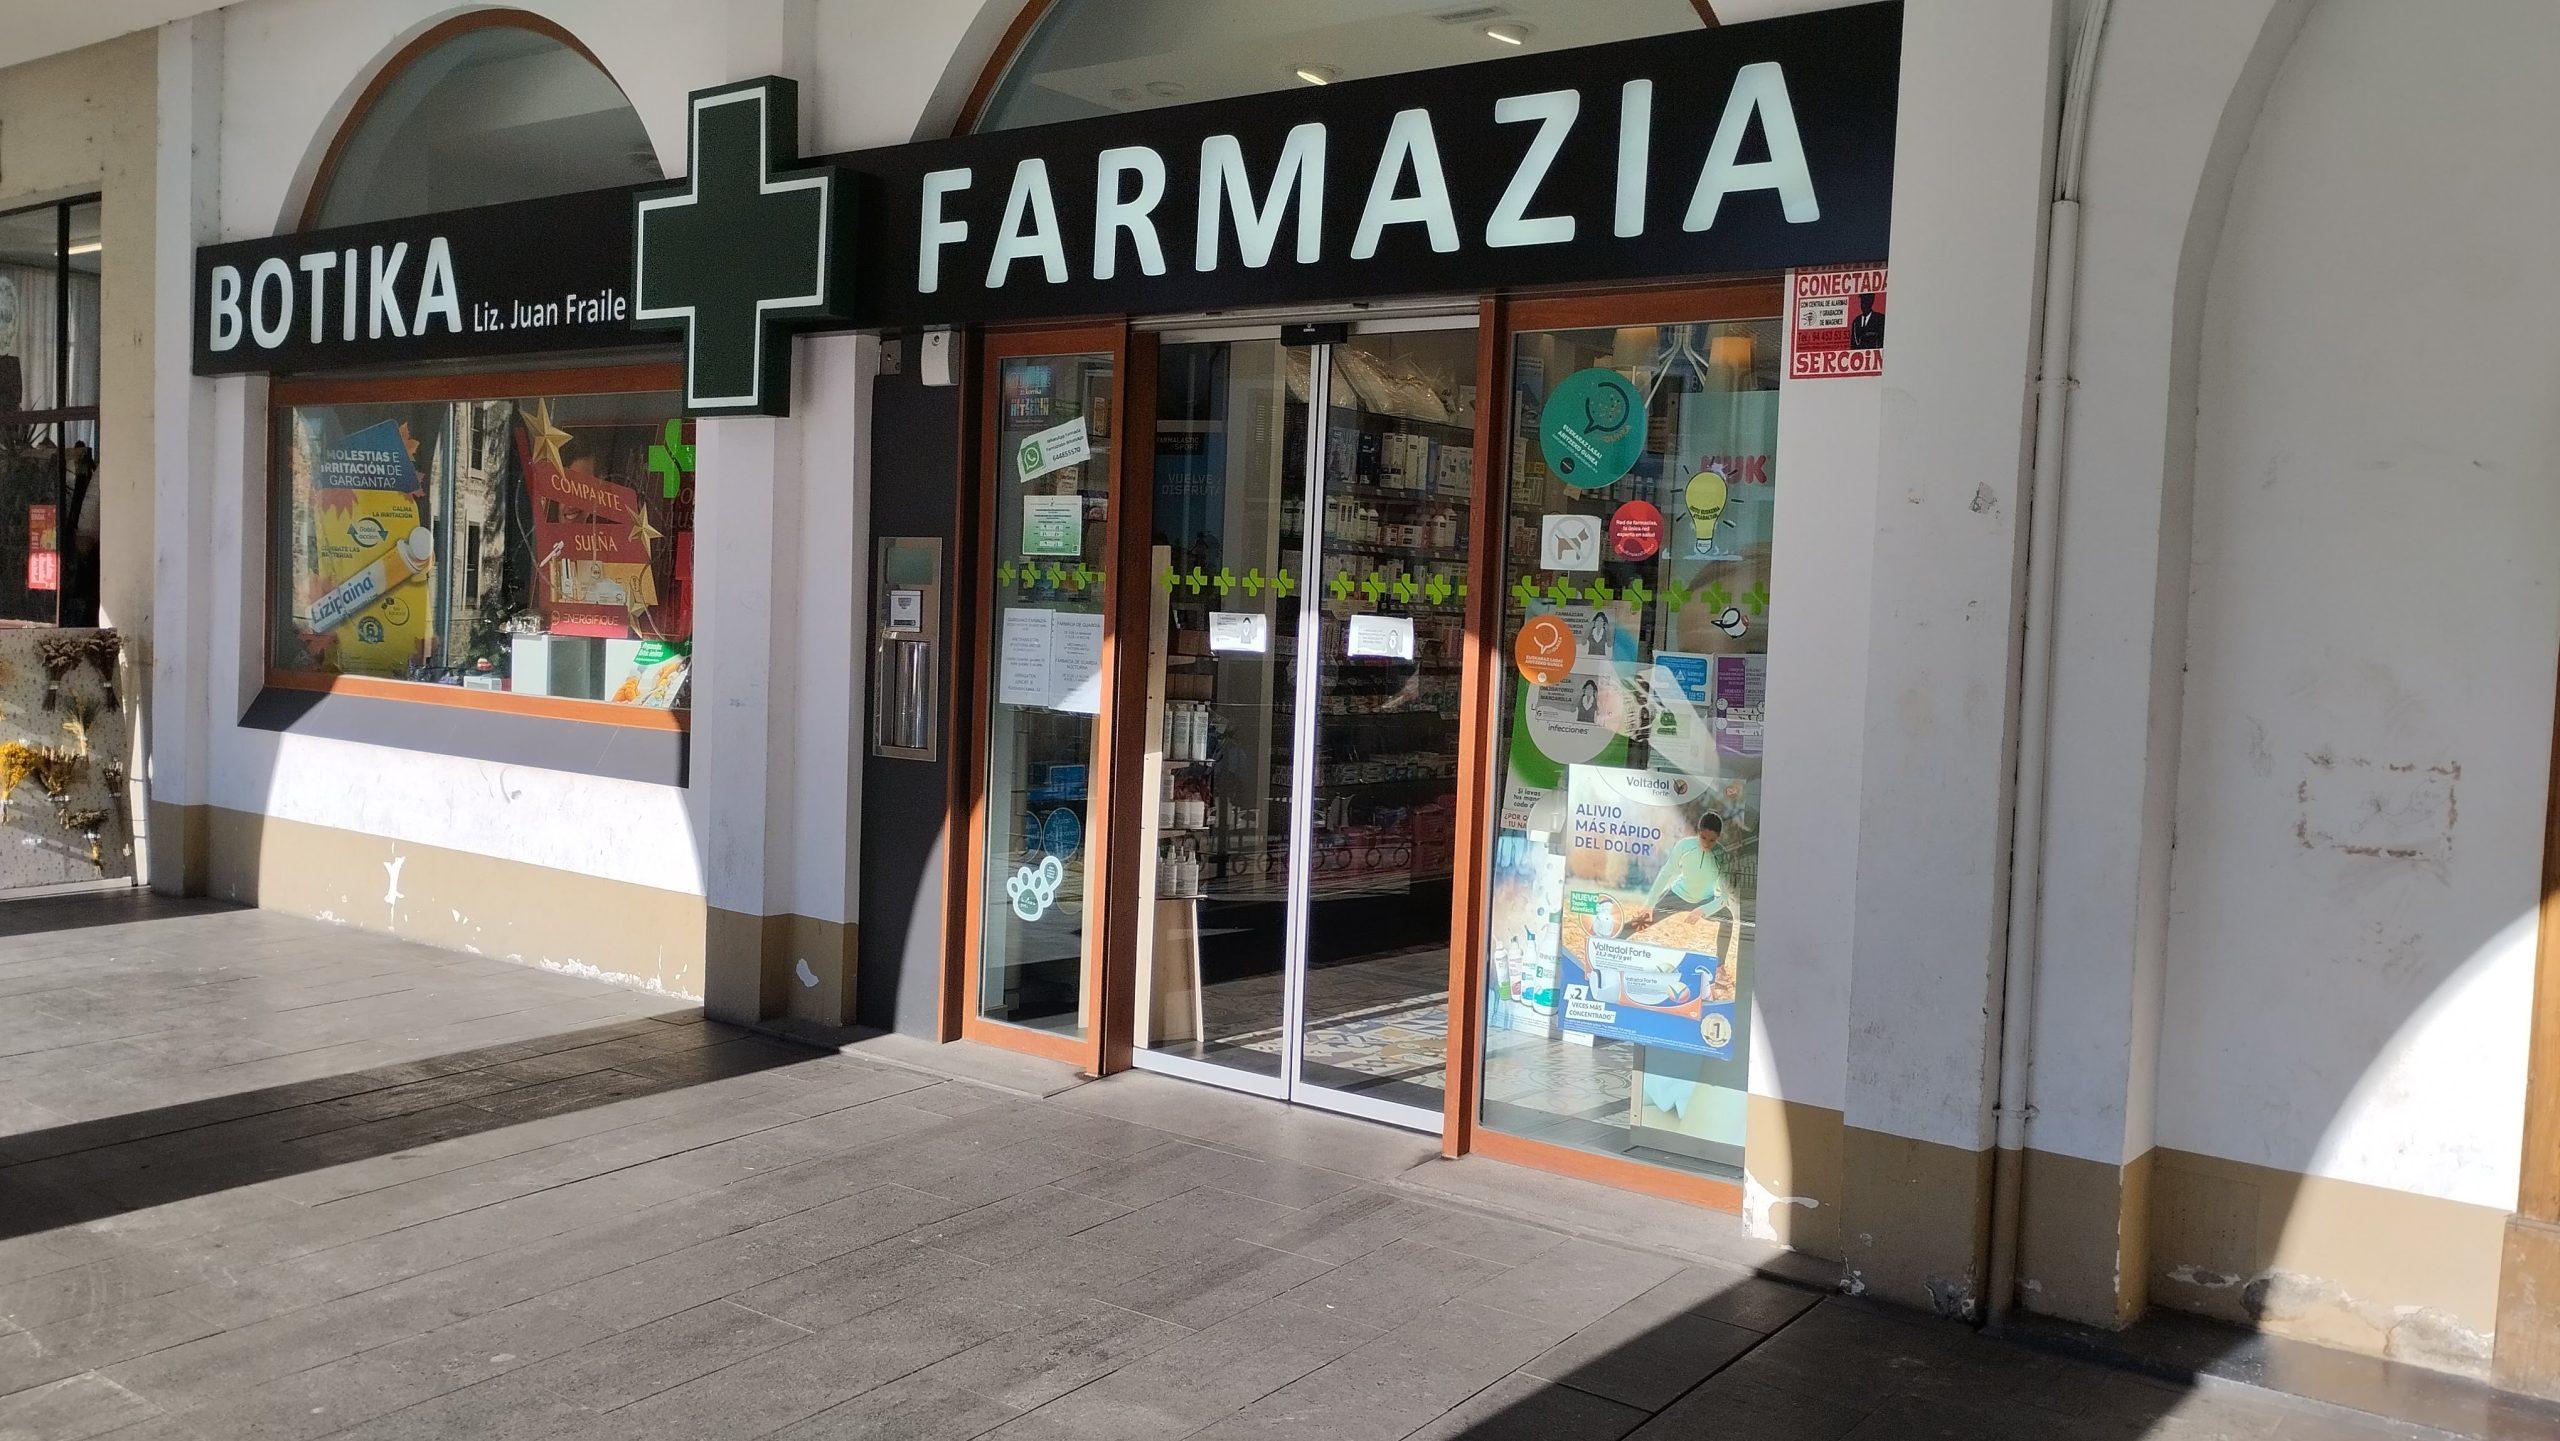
(1623, 885)
(49, 343)
(505, 539)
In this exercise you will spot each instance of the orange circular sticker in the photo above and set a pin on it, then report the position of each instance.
(1544, 650)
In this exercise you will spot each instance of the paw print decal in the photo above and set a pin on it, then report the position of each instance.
(1033, 887)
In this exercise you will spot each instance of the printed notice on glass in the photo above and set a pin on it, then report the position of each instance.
(1056, 448)
(1380, 637)
(1022, 660)
(1075, 662)
(1053, 526)
(1239, 630)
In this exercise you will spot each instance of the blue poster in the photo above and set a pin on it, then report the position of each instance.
(1062, 833)
(1649, 948)
(374, 458)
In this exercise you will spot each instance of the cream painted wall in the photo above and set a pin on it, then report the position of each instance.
(79, 123)
(2376, 608)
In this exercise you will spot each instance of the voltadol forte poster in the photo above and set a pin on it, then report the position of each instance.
(1648, 950)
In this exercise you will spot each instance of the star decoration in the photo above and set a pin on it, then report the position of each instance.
(547, 437)
(641, 530)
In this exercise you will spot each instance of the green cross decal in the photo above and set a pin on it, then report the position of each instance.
(1404, 588)
(1079, 578)
(1676, 594)
(1598, 591)
(1004, 572)
(1758, 599)
(1168, 579)
(1225, 580)
(1560, 591)
(1715, 596)
(1253, 582)
(1196, 579)
(1340, 585)
(1282, 584)
(744, 251)
(1525, 590)
(1636, 592)
(1436, 589)
(1374, 587)
(671, 460)
(1057, 575)
(1462, 590)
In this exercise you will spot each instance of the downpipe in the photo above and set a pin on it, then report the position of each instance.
(2035, 685)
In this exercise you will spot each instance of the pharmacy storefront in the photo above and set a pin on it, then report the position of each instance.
(1327, 557)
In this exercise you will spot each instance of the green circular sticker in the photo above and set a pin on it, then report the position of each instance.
(1592, 428)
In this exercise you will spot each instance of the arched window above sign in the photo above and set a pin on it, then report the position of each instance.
(490, 106)
(1081, 58)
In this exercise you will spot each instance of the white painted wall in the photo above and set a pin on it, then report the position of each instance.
(1824, 529)
(2377, 536)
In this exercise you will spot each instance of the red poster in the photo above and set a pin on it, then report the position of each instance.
(44, 570)
(41, 524)
(578, 541)
(579, 492)
(1835, 322)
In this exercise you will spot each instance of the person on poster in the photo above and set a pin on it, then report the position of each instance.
(1595, 636)
(1587, 709)
(1866, 329)
(1691, 880)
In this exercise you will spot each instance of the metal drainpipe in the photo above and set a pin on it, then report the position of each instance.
(2035, 680)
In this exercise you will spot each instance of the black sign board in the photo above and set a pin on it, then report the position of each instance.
(1743, 148)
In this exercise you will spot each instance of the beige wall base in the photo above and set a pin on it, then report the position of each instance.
(2411, 1277)
(179, 840)
(1791, 1174)
(2528, 1345)
(752, 969)
(559, 920)
(1912, 1221)
(2086, 1228)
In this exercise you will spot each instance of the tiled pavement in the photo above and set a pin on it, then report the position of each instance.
(269, 1178)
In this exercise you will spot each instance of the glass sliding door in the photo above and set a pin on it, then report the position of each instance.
(1310, 508)
(1623, 890)
(1380, 767)
(1048, 531)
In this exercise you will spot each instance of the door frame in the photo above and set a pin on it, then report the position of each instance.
(1110, 967)
(1741, 299)
(1104, 801)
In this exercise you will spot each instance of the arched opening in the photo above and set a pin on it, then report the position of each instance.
(535, 525)
(488, 107)
(1072, 59)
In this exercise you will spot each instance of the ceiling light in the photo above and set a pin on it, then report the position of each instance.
(1508, 33)
(1318, 74)
(87, 247)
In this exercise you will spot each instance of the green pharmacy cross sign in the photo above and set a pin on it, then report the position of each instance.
(746, 250)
